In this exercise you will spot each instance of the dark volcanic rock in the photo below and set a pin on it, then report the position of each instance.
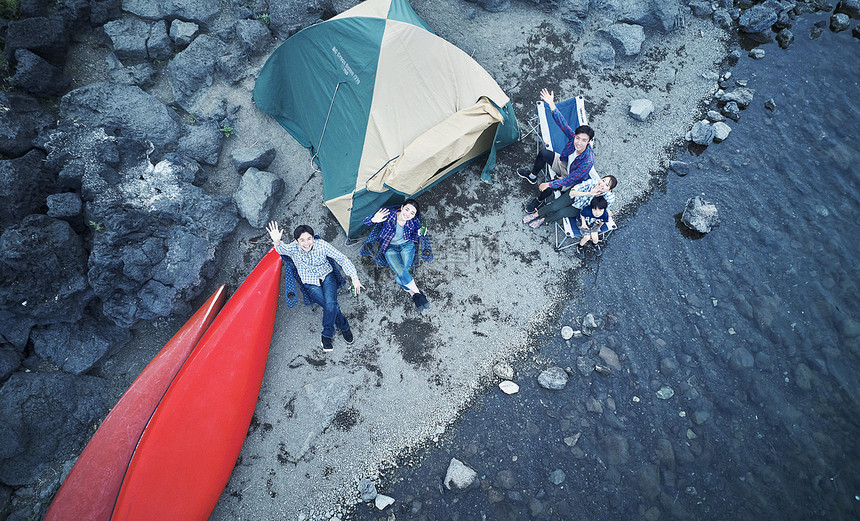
(158, 239)
(627, 38)
(256, 196)
(46, 37)
(140, 74)
(38, 246)
(700, 215)
(128, 36)
(199, 11)
(202, 143)
(102, 11)
(24, 186)
(64, 206)
(183, 32)
(494, 6)
(193, 69)
(287, 17)
(849, 7)
(245, 158)
(20, 125)
(598, 56)
(120, 110)
(33, 74)
(78, 347)
(254, 36)
(759, 18)
(159, 46)
(45, 418)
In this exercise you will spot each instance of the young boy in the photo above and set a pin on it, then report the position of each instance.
(591, 220)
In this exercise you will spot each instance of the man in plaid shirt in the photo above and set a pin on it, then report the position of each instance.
(574, 162)
(311, 258)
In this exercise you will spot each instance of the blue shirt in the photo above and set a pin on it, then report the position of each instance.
(590, 219)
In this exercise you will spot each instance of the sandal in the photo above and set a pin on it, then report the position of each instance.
(529, 217)
(536, 223)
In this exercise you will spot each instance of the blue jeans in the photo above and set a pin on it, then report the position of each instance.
(326, 296)
(399, 257)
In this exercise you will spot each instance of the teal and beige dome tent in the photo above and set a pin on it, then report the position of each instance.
(386, 107)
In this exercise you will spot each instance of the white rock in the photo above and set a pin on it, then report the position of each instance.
(509, 387)
(640, 109)
(567, 332)
(721, 131)
(459, 475)
(383, 501)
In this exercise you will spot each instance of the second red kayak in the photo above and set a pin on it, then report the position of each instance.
(188, 450)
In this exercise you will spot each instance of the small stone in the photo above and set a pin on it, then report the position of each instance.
(589, 325)
(732, 111)
(459, 475)
(715, 116)
(554, 378)
(557, 477)
(665, 392)
(721, 131)
(757, 54)
(839, 22)
(602, 370)
(571, 441)
(679, 167)
(691, 435)
(702, 133)
(699, 417)
(784, 38)
(610, 357)
(367, 489)
(509, 387)
(770, 104)
(504, 371)
(741, 359)
(567, 332)
(382, 501)
(592, 405)
(668, 366)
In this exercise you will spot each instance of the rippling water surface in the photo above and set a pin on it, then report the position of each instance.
(775, 287)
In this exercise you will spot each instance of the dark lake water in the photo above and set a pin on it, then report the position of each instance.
(775, 287)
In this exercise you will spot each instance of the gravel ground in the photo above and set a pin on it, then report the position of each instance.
(325, 421)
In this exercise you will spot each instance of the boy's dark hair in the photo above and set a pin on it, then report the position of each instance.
(300, 229)
(585, 129)
(414, 203)
(612, 181)
(598, 203)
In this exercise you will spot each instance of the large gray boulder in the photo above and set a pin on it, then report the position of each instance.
(657, 15)
(702, 133)
(627, 38)
(252, 157)
(64, 206)
(193, 70)
(77, 348)
(34, 75)
(700, 215)
(159, 46)
(45, 418)
(38, 246)
(256, 196)
(743, 96)
(128, 36)
(760, 17)
(158, 237)
(554, 378)
(121, 110)
(183, 32)
(199, 11)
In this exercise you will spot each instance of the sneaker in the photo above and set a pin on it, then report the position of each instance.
(327, 345)
(580, 251)
(348, 336)
(420, 301)
(526, 174)
(598, 250)
(532, 206)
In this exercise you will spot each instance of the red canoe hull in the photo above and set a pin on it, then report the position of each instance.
(188, 450)
(90, 490)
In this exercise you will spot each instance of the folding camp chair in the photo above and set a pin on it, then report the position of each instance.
(554, 139)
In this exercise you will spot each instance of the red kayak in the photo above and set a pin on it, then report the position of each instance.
(188, 450)
(90, 490)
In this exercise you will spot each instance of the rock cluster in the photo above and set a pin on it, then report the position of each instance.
(103, 191)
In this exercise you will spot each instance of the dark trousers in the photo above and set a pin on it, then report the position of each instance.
(559, 209)
(544, 157)
(326, 296)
